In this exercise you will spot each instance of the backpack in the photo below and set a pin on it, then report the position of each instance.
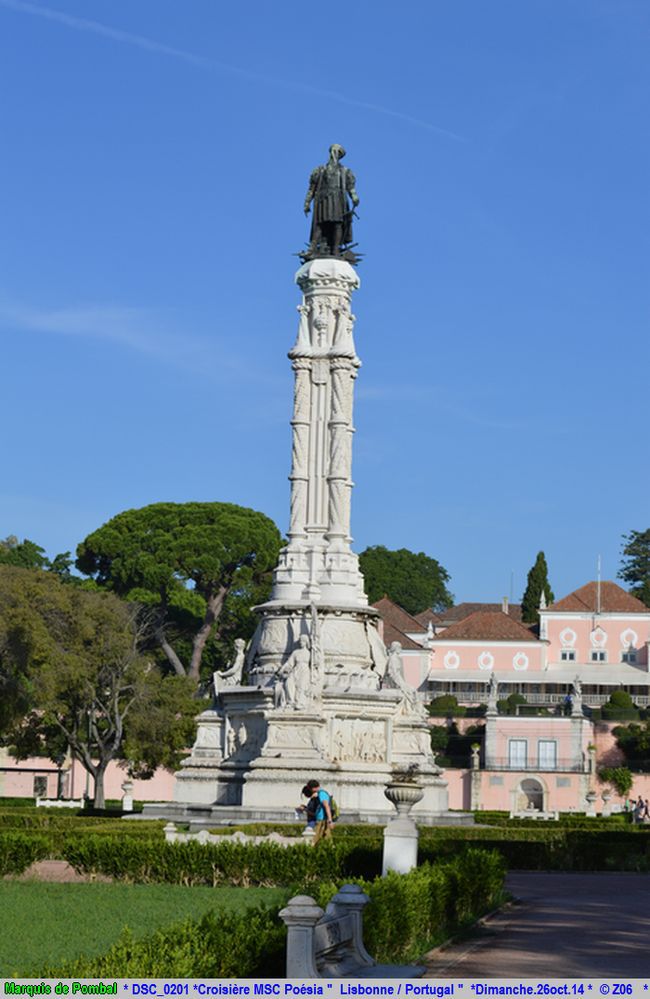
(334, 808)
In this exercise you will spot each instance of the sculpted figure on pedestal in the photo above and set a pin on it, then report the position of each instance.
(330, 186)
(395, 672)
(493, 688)
(232, 676)
(293, 686)
(576, 696)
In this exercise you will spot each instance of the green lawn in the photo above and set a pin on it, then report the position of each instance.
(44, 923)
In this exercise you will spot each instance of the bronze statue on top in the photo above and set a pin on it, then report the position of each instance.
(330, 187)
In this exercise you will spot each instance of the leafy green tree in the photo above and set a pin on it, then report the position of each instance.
(71, 664)
(536, 585)
(200, 565)
(620, 778)
(414, 581)
(27, 554)
(446, 706)
(634, 740)
(635, 568)
(619, 707)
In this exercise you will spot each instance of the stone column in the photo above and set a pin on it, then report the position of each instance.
(340, 456)
(300, 450)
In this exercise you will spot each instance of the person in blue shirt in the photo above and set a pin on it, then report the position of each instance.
(323, 814)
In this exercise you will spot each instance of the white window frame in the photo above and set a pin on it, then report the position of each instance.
(598, 655)
(549, 763)
(567, 655)
(629, 656)
(515, 756)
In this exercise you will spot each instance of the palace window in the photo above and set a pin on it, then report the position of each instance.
(517, 754)
(629, 656)
(568, 656)
(598, 656)
(547, 754)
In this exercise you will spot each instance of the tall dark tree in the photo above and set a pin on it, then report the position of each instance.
(414, 581)
(635, 568)
(198, 564)
(72, 675)
(536, 585)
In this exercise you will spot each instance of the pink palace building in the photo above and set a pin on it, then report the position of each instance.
(589, 643)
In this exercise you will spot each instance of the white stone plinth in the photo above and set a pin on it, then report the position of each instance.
(400, 846)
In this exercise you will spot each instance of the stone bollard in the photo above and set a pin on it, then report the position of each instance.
(127, 798)
(300, 916)
(171, 836)
(401, 834)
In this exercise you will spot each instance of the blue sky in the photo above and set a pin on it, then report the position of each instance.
(155, 159)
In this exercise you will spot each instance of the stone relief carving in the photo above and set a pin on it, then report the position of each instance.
(208, 736)
(358, 740)
(317, 660)
(344, 634)
(274, 636)
(294, 736)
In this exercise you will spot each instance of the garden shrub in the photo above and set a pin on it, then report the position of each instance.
(239, 864)
(446, 706)
(219, 945)
(19, 850)
(409, 913)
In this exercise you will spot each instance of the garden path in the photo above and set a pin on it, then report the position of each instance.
(563, 925)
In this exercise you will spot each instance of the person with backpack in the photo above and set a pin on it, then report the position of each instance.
(308, 810)
(324, 813)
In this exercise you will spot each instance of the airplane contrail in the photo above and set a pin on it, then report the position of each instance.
(202, 62)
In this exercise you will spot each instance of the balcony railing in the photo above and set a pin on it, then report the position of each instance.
(558, 766)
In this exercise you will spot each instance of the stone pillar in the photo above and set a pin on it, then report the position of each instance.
(340, 458)
(127, 797)
(401, 834)
(491, 723)
(300, 916)
(299, 450)
(317, 566)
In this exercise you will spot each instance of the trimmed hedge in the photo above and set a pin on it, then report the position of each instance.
(19, 850)
(554, 849)
(238, 864)
(589, 845)
(407, 915)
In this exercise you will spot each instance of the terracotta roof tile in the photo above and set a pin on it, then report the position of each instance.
(393, 614)
(393, 634)
(613, 599)
(461, 611)
(428, 615)
(492, 626)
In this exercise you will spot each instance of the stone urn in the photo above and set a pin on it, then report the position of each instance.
(591, 797)
(403, 795)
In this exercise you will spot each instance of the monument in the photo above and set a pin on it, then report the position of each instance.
(316, 693)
